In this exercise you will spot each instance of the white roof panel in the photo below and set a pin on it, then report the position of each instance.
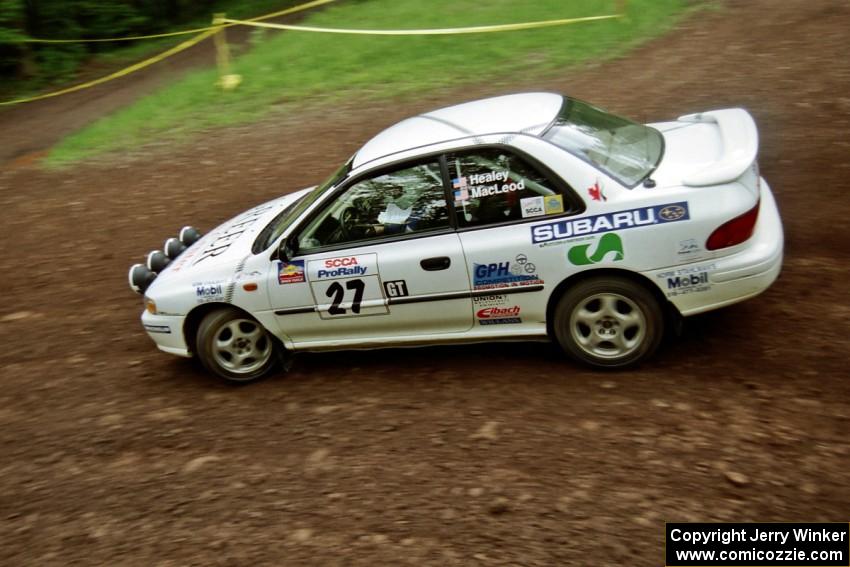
(528, 112)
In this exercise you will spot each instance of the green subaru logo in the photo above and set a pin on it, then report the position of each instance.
(609, 243)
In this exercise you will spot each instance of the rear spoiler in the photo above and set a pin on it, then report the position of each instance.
(740, 143)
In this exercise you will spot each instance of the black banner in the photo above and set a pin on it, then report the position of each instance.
(758, 545)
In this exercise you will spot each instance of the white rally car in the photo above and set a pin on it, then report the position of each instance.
(528, 216)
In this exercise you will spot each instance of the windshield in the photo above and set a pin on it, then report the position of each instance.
(281, 222)
(626, 151)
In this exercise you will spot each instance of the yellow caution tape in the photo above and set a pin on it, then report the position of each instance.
(442, 31)
(126, 71)
(205, 33)
(292, 10)
(222, 23)
(111, 39)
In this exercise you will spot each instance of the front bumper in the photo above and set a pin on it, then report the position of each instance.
(167, 332)
(712, 284)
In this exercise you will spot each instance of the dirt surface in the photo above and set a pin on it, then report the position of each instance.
(114, 453)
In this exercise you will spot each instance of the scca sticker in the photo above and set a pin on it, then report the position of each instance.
(621, 220)
(291, 272)
(532, 207)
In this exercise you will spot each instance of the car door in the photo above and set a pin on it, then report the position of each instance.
(380, 262)
(499, 192)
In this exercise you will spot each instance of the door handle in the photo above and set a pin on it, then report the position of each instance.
(434, 264)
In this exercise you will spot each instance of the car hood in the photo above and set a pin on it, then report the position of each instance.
(214, 259)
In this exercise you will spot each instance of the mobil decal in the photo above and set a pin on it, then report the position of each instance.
(690, 279)
(620, 220)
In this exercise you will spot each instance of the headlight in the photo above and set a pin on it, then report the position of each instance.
(150, 306)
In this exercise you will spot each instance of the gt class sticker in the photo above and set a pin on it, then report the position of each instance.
(396, 288)
(622, 220)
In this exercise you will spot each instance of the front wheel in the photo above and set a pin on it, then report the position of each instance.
(609, 322)
(235, 346)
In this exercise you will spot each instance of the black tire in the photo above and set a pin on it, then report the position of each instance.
(608, 322)
(236, 347)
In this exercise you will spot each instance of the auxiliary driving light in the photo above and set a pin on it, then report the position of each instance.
(157, 260)
(173, 248)
(140, 277)
(189, 235)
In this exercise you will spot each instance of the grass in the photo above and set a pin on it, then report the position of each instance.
(113, 56)
(298, 68)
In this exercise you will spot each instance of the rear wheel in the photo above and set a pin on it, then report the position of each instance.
(235, 346)
(609, 322)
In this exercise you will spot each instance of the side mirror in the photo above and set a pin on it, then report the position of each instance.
(288, 248)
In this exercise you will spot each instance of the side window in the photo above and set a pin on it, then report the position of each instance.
(403, 201)
(493, 186)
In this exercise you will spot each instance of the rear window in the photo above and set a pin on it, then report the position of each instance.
(623, 149)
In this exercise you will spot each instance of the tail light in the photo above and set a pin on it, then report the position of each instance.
(735, 231)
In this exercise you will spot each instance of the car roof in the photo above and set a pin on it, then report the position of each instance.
(529, 113)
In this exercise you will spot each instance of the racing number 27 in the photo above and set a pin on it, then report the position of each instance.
(337, 292)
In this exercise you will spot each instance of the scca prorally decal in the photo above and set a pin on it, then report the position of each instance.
(621, 220)
(341, 267)
(608, 243)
